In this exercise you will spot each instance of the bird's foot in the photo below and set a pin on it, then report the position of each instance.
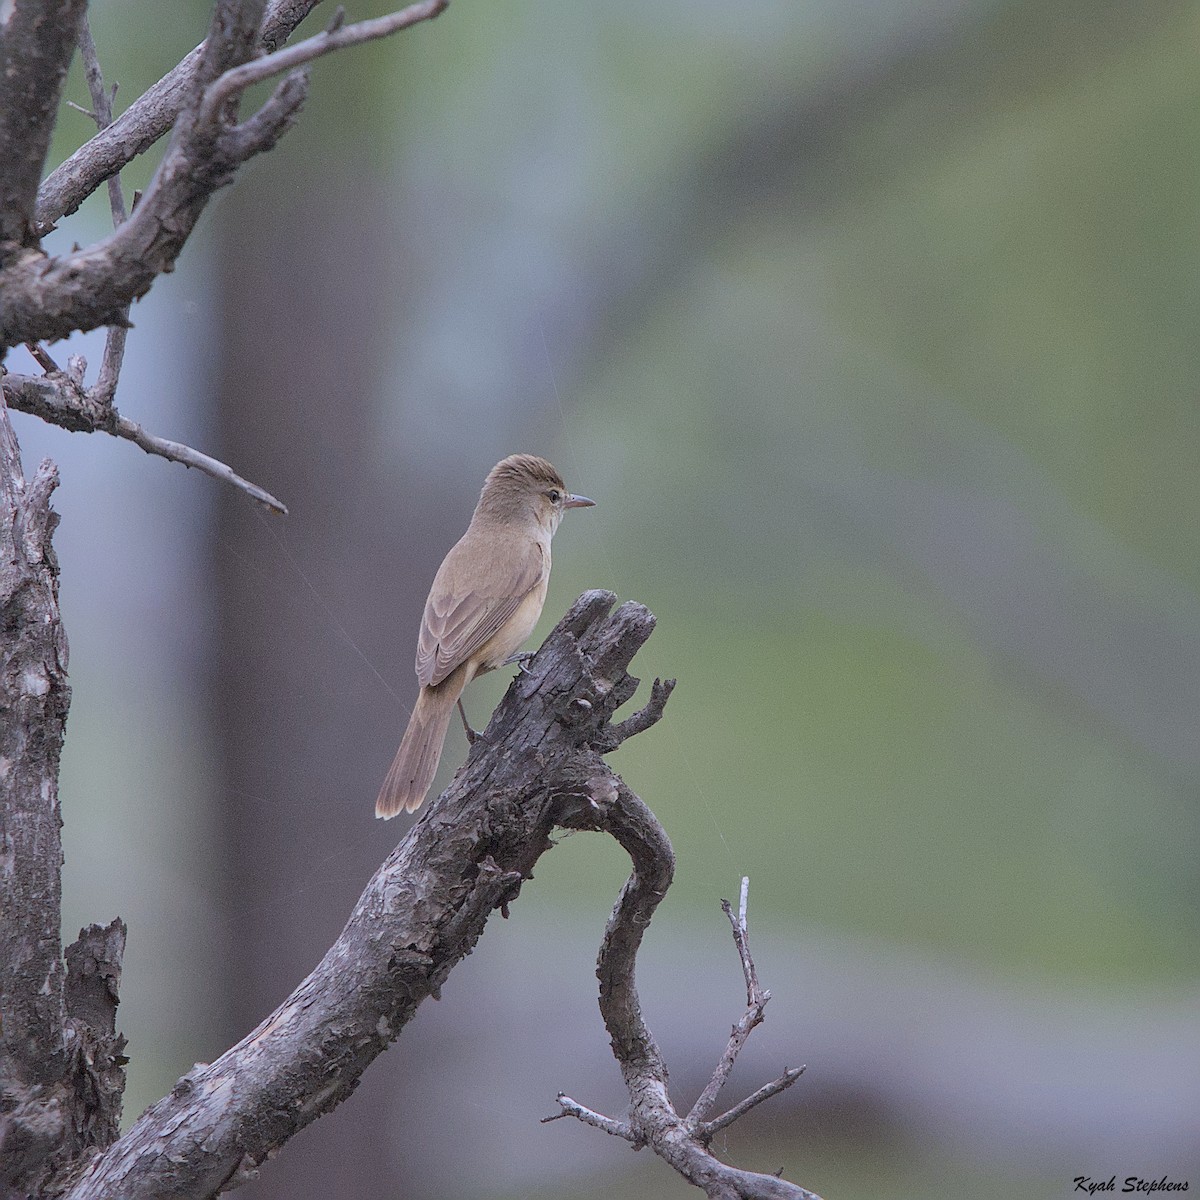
(521, 661)
(473, 735)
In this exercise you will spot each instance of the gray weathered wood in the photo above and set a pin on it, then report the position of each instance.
(146, 120)
(60, 1078)
(537, 766)
(43, 298)
(37, 41)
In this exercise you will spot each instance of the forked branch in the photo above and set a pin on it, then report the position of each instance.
(61, 398)
(683, 1142)
(537, 767)
(44, 298)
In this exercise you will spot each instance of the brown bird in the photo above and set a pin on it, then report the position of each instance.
(485, 600)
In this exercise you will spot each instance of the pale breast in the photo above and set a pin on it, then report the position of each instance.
(514, 633)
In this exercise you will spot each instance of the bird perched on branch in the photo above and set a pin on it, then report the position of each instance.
(485, 600)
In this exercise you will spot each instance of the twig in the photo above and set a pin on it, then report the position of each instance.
(741, 938)
(41, 356)
(59, 398)
(237, 79)
(660, 693)
(572, 1108)
(708, 1128)
(756, 1003)
(178, 452)
(101, 108)
(146, 120)
(114, 343)
(683, 1142)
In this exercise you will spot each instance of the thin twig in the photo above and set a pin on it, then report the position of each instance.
(756, 1003)
(114, 342)
(708, 1128)
(101, 109)
(59, 398)
(178, 452)
(42, 357)
(146, 120)
(237, 79)
(741, 937)
(572, 1108)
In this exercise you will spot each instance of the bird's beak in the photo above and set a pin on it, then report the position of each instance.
(578, 502)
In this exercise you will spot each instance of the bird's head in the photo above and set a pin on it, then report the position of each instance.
(524, 486)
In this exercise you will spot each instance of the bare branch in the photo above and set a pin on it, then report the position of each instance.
(101, 109)
(337, 37)
(785, 1081)
(572, 1108)
(42, 357)
(756, 1003)
(421, 913)
(681, 1142)
(46, 298)
(114, 342)
(660, 693)
(755, 996)
(37, 42)
(60, 399)
(178, 452)
(146, 120)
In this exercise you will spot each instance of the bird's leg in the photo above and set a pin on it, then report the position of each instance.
(472, 734)
(522, 661)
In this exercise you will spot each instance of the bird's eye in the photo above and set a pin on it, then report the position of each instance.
(555, 495)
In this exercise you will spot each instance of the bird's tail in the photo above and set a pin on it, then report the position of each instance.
(416, 761)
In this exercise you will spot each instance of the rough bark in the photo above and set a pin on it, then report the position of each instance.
(44, 298)
(680, 1141)
(146, 120)
(538, 765)
(60, 1077)
(37, 40)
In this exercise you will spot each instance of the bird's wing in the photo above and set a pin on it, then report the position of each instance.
(472, 596)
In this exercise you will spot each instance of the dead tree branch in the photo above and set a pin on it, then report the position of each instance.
(37, 41)
(146, 120)
(60, 1076)
(43, 298)
(681, 1141)
(537, 767)
(61, 398)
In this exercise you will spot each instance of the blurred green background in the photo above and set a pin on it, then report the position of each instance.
(872, 327)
